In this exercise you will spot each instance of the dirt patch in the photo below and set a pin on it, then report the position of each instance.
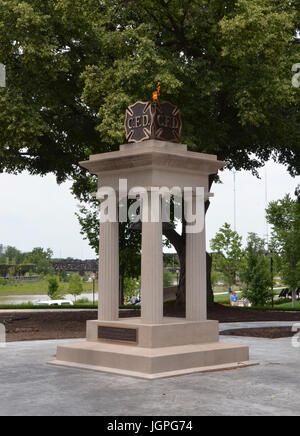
(29, 326)
(225, 314)
(268, 333)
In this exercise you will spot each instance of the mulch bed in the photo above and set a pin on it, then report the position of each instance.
(268, 333)
(28, 326)
(31, 326)
(235, 314)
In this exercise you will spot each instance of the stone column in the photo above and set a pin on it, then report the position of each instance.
(109, 272)
(152, 271)
(196, 282)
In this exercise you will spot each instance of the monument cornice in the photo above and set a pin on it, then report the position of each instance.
(155, 155)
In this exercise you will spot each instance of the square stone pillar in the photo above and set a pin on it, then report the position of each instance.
(152, 270)
(108, 301)
(196, 275)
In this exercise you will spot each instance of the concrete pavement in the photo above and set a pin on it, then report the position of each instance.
(31, 387)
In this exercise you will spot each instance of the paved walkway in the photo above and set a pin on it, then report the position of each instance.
(249, 325)
(31, 387)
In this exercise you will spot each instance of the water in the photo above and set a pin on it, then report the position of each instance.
(23, 299)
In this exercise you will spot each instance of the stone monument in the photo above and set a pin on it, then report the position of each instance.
(153, 346)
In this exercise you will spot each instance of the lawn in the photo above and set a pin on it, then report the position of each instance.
(38, 288)
(286, 306)
(30, 306)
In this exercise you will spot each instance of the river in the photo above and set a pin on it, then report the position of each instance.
(23, 299)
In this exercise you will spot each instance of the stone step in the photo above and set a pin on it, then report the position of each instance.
(152, 363)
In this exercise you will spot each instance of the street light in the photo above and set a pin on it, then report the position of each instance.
(270, 252)
(94, 279)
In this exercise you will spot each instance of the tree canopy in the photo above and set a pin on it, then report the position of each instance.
(74, 66)
(255, 272)
(284, 215)
(227, 245)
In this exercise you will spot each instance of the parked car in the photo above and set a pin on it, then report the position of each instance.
(59, 303)
(135, 301)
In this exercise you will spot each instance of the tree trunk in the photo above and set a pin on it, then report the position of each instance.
(210, 292)
(294, 298)
(180, 295)
(178, 241)
(121, 290)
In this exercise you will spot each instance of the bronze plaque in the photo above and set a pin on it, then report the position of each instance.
(117, 334)
(160, 121)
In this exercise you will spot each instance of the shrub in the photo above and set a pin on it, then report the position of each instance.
(168, 278)
(53, 287)
(83, 301)
(256, 272)
(75, 285)
(259, 287)
(132, 286)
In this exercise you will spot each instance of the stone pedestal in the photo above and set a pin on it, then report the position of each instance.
(153, 346)
(173, 348)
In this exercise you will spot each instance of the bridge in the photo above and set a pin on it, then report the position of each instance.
(79, 266)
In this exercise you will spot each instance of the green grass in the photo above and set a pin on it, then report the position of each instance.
(222, 289)
(222, 299)
(38, 288)
(284, 307)
(277, 307)
(76, 306)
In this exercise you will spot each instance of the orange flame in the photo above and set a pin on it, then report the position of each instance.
(156, 93)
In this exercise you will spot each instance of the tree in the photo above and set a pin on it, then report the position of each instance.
(227, 245)
(255, 272)
(53, 287)
(74, 66)
(75, 285)
(297, 193)
(168, 279)
(41, 259)
(132, 287)
(13, 255)
(284, 215)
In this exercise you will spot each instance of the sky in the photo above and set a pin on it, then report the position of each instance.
(36, 212)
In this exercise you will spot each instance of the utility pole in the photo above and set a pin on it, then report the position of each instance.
(266, 203)
(272, 273)
(234, 195)
(2, 76)
(94, 279)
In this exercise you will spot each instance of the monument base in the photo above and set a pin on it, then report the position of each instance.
(175, 347)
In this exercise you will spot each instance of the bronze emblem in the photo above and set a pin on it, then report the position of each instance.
(167, 122)
(161, 121)
(138, 122)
